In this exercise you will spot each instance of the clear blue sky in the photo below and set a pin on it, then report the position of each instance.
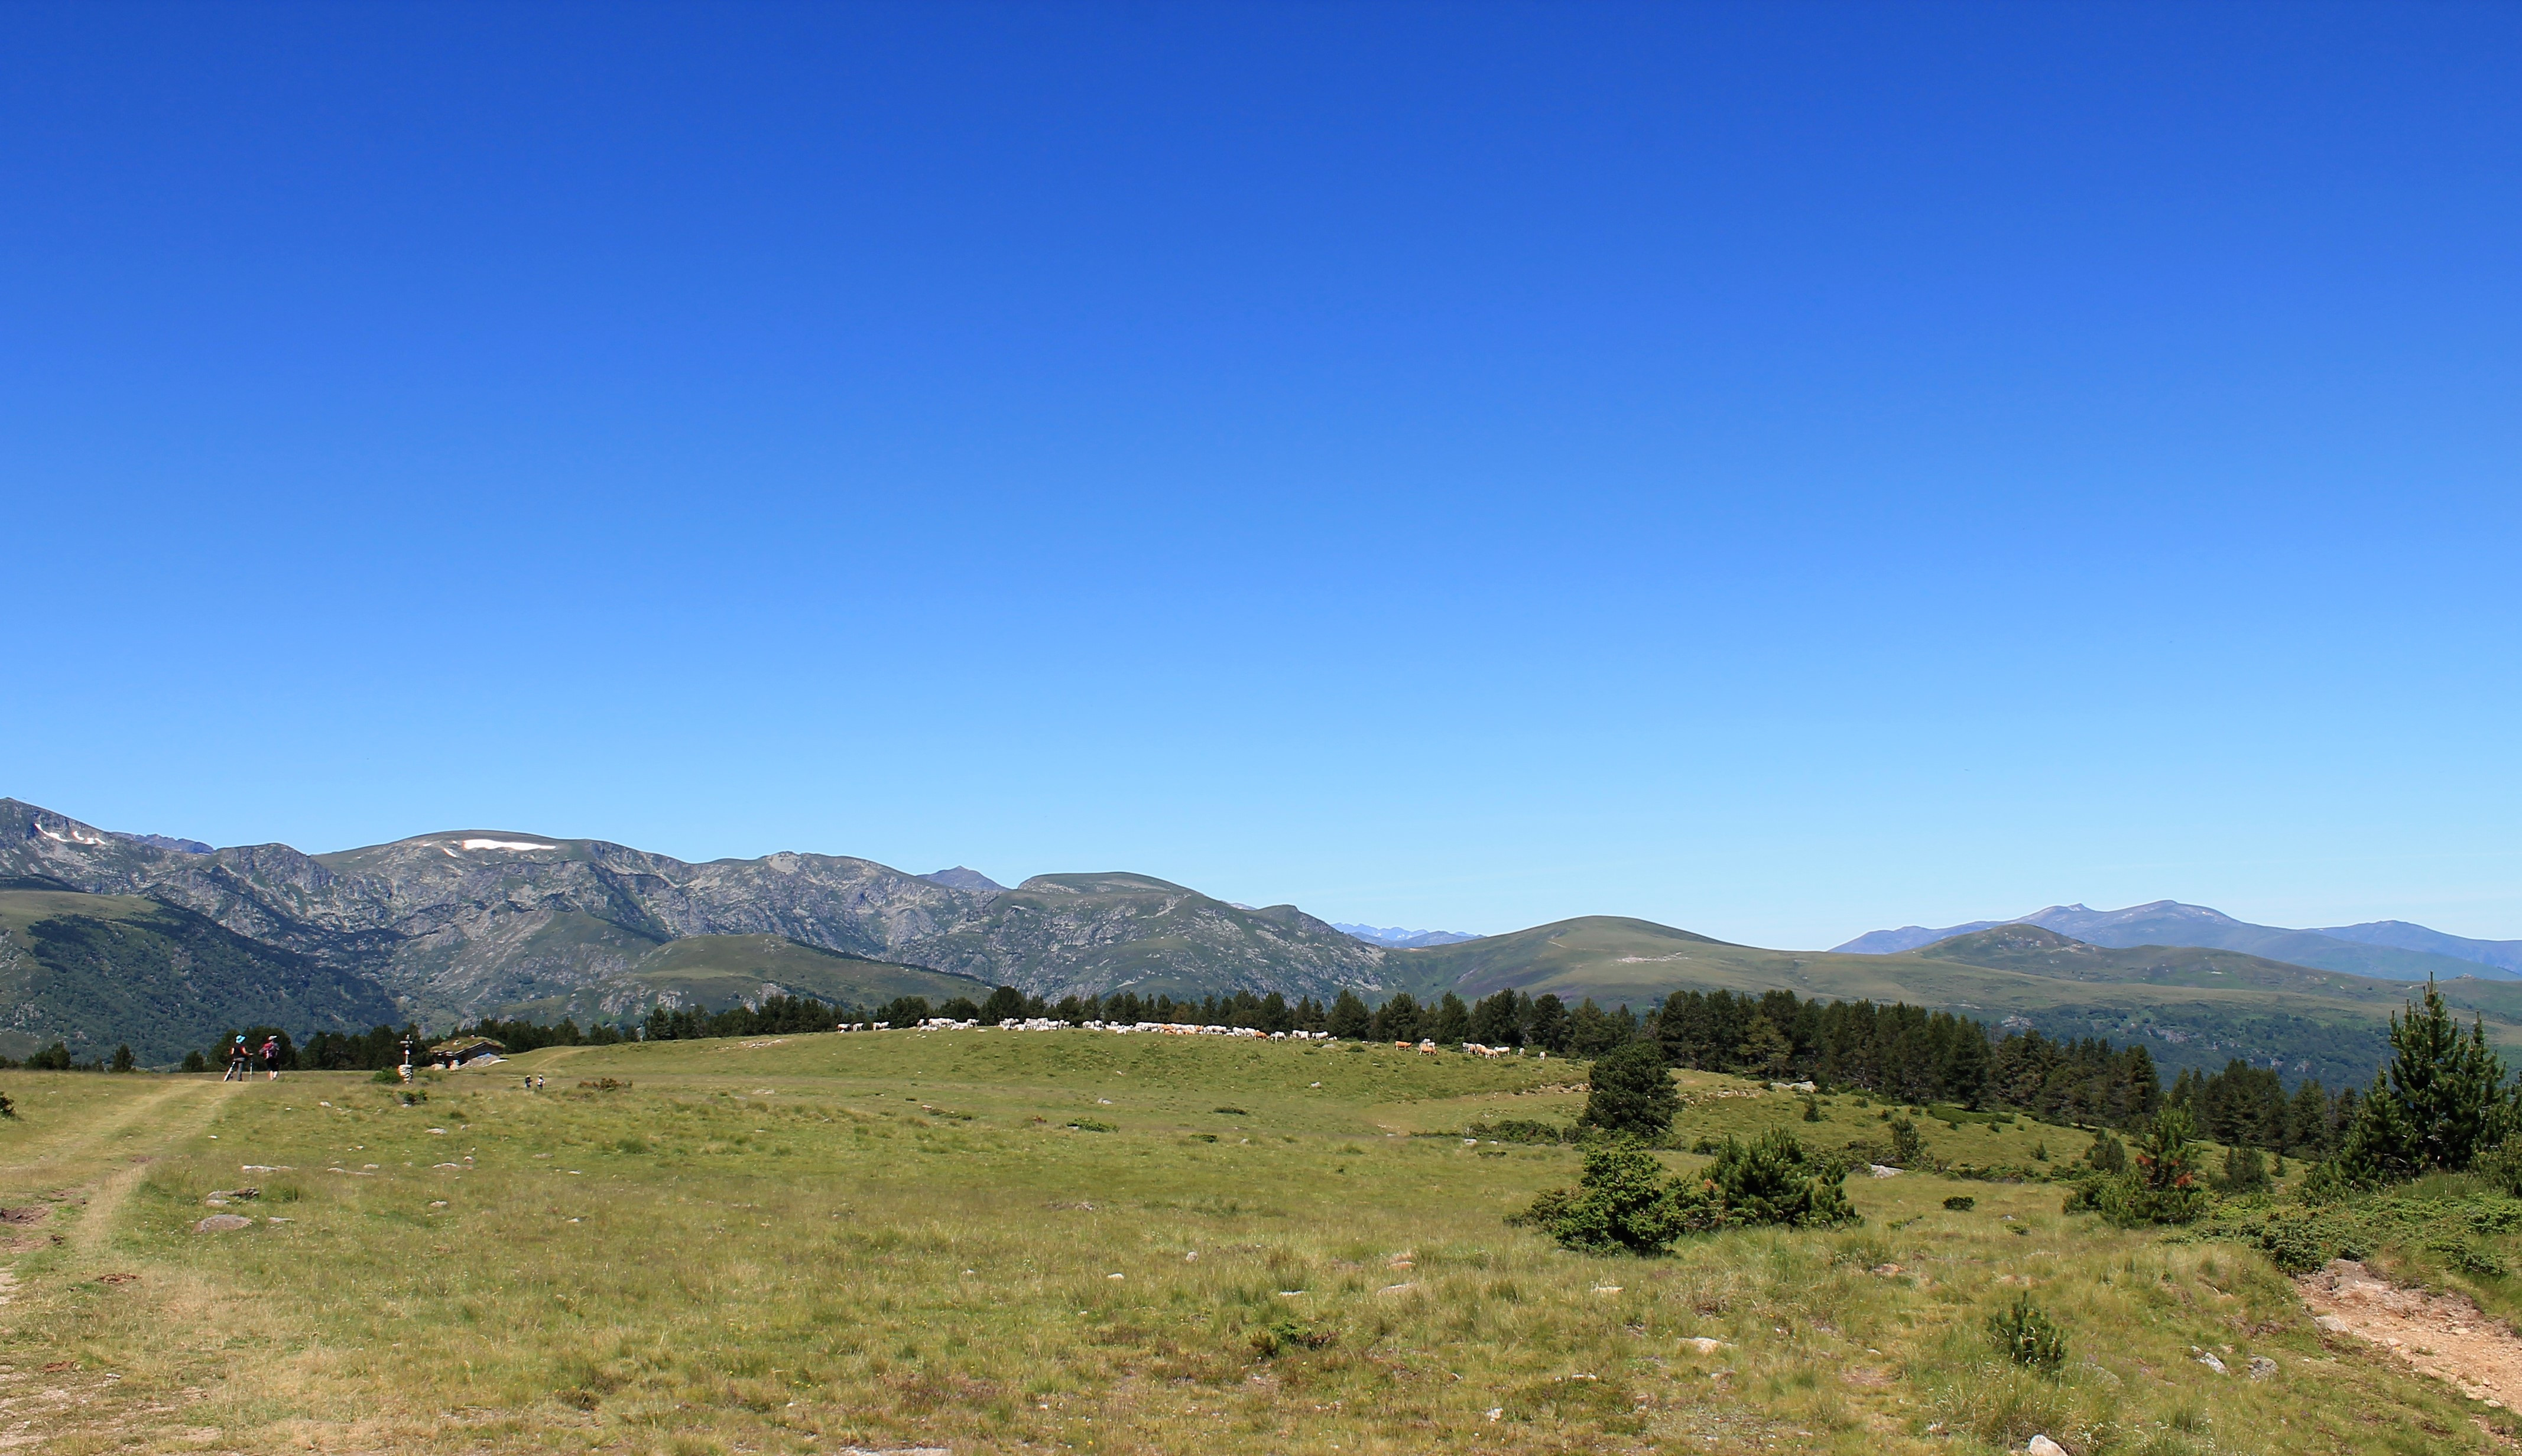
(1775, 469)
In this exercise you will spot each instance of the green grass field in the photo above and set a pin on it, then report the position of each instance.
(814, 1243)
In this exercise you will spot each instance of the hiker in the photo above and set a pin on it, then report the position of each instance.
(539, 1085)
(271, 1058)
(236, 1061)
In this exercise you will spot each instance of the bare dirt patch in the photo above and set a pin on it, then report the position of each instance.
(23, 1216)
(2444, 1336)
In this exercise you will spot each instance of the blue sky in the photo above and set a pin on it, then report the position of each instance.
(1774, 470)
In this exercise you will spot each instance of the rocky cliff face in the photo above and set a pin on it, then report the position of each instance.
(474, 919)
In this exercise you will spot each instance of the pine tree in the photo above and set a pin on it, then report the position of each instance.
(1451, 1024)
(2435, 1106)
(1966, 1065)
(1550, 1023)
(1398, 1019)
(1631, 1093)
(1349, 1020)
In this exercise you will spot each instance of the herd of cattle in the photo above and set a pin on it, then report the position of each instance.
(1165, 1029)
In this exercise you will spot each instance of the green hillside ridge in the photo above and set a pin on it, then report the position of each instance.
(2305, 1021)
(95, 972)
(2044, 952)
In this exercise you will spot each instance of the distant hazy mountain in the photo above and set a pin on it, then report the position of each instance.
(1394, 936)
(161, 842)
(1910, 937)
(2402, 935)
(2172, 923)
(960, 878)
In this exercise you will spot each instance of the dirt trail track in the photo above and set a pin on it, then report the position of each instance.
(98, 1165)
(2444, 1336)
(69, 1183)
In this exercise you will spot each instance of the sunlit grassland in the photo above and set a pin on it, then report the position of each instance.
(881, 1241)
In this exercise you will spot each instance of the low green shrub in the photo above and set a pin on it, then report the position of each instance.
(1286, 1334)
(2245, 1172)
(1622, 1203)
(1773, 1179)
(1089, 1124)
(1961, 1203)
(2028, 1336)
(2162, 1186)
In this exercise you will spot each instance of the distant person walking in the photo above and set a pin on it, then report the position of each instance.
(271, 1058)
(236, 1061)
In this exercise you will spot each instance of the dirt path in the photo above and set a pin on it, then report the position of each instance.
(78, 1151)
(80, 1175)
(2444, 1336)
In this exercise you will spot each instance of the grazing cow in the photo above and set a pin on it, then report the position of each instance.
(1428, 1047)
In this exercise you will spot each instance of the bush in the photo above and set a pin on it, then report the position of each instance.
(2107, 1154)
(2502, 1167)
(2295, 1244)
(195, 1062)
(1089, 1124)
(2245, 1172)
(1961, 1203)
(1774, 1180)
(2164, 1186)
(1631, 1093)
(1520, 1130)
(2469, 1258)
(2027, 1337)
(8, 1108)
(1621, 1201)
(1284, 1333)
(1908, 1151)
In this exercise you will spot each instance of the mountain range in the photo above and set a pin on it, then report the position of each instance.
(2389, 949)
(473, 921)
(109, 938)
(1399, 938)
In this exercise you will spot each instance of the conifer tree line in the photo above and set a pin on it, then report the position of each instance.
(2248, 1106)
(1906, 1053)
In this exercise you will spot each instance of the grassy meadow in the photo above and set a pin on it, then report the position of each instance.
(1070, 1241)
